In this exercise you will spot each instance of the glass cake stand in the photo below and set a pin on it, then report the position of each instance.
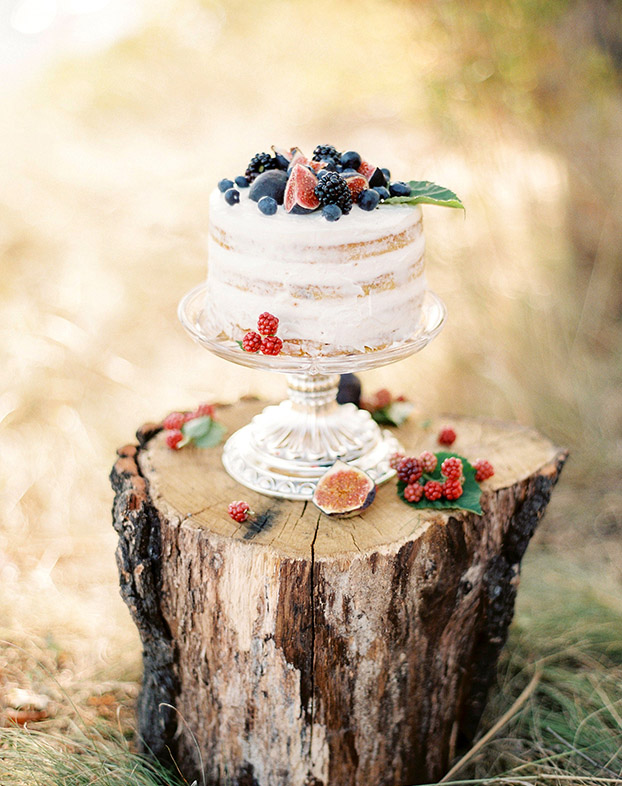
(286, 448)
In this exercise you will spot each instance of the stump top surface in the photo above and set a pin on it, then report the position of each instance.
(193, 486)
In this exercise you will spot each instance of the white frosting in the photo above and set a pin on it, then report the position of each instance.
(349, 285)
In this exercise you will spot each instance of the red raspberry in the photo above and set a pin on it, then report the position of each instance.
(251, 342)
(433, 490)
(204, 410)
(447, 436)
(271, 345)
(382, 398)
(267, 324)
(452, 468)
(394, 459)
(428, 461)
(484, 470)
(409, 470)
(174, 421)
(413, 492)
(452, 488)
(239, 511)
(173, 438)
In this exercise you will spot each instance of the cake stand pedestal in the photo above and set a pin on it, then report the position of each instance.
(285, 449)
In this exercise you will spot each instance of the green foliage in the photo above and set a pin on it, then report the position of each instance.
(394, 414)
(204, 432)
(471, 492)
(423, 191)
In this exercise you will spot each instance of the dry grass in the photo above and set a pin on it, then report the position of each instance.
(105, 167)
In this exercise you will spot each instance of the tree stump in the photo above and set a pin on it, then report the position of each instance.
(297, 649)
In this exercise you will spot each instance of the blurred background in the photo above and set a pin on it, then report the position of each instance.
(117, 120)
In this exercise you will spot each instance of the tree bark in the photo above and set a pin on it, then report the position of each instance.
(296, 649)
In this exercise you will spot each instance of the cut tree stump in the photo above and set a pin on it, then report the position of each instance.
(297, 649)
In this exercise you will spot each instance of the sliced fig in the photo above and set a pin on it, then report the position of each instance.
(282, 156)
(344, 491)
(356, 184)
(375, 176)
(271, 183)
(298, 157)
(300, 191)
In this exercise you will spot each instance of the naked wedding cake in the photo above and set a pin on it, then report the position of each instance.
(328, 247)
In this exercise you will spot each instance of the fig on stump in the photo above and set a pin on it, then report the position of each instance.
(344, 491)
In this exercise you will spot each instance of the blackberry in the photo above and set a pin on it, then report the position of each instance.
(259, 163)
(332, 189)
(327, 153)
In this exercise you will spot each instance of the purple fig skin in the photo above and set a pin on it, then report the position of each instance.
(344, 491)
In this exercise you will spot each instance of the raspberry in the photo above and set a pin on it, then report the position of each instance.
(173, 438)
(251, 342)
(433, 490)
(174, 421)
(452, 468)
(267, 324)
(452, 489)
(383, 398)
(394, 459)
(204, 410)
(239, 510)
(428, 461)
(484, 470)
(413, 492)
(447, 436)
(409, 469)
(271, 345)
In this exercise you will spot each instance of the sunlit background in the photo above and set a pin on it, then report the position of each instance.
(118, 118)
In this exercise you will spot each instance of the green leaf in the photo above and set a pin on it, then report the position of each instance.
(394, 414)
(197, 427)
(471, 492)
(423, 191)
(213, 437)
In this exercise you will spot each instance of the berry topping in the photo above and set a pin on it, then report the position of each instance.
(251, 342)
(204, 410)
(241, 181)
(300, 190)
(356, 183)
(413, 492)
(408, 467)
(394, 459)
(327, 153)
(399, 189)
(173, 438)
(373, 174)
(271, 345)
(433, 490)
(282, 158)
(332, 189)
(447, 436)
(270, 184)
(232, 196)
(239, 511)
(484, 470)
(267, 324)
(350, 160)
(332, 212)
(267, 205)
(452, 489)
(428, 461)
(368, 199)
(174, 421)
(259, 163)
(383, 192)
(386, 173)
(452, 468)
(225, 184)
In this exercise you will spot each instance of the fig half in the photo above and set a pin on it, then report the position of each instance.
(344, 491)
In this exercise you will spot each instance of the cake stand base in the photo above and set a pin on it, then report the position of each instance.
(285, 449)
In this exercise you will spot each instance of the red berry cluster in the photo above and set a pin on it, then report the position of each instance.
(410, 470)
(173, 422)
(483, 470)
(266, 340)
(239, 511)
(446, 436)
(379, 400)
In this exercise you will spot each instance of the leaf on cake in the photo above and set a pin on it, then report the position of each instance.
(426, 192)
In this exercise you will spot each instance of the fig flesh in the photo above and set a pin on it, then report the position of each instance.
(344, 491)
(300, 191)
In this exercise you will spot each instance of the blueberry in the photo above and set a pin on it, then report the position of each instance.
(331, 212)
(267, 205)
(349, 390)
(399, 189)
(232, 196)
(368, 199)
(350, 160)
(386, 173)
(271, 183)
(225, 184)
(382, 192)
(241, 181)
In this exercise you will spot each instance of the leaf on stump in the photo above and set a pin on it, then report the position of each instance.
(471, 491)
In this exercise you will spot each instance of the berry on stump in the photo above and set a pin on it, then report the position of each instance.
(173, 438)
(251, 342)
(395, 458)
(433, 490)
(428, 461)
(204, 410)
(452, 468)
(271, 345)
(483, 470)
(413, 492)
(452, 489)
(174, 421)
(447, 436)
(267, 324)
(239, 510)
(408, 467)
(332, 189)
